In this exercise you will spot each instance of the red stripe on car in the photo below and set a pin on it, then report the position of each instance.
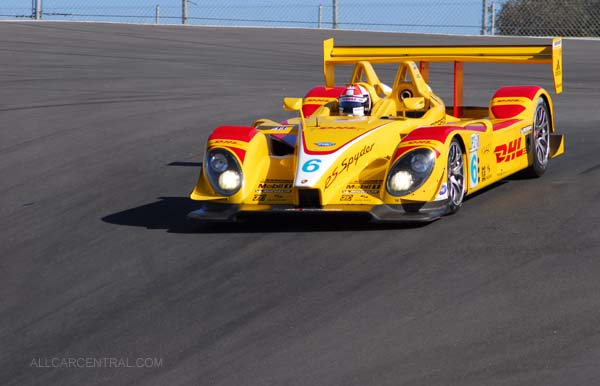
(325, 152)
(435, 133)
(239, 152)
(505, 124)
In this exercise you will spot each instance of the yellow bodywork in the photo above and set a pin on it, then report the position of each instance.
(344, 161)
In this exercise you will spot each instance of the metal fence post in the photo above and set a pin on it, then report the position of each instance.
(38, 9)
(320, 15)
(335, 20)
(484, 19)
(493, 18)
(157, 15)
(184, 11)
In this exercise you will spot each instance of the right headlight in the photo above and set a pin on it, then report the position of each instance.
(410, 171)
(223, 171)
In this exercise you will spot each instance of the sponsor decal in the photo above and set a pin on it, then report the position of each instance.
(416, 142)
(346, 191)
(526, 130)
(474, 142)
(311, 166)
(443, 193)
(508, 100)
(276, 128)
(325, 144)
(474, 171)
(285, 187)
(439, 123)
(444, 189)
(358, 198)
(485, 173)
(259, 197)
(362, 188)
(316, 100)
(339, 128)
(510, 151)
(214, 142)
(347, 164)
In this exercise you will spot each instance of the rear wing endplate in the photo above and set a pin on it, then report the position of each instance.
(517, 54)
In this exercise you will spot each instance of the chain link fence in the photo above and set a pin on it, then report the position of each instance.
(471, 17)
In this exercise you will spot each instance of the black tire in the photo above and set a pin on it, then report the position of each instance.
(456, 177)
(539, 149)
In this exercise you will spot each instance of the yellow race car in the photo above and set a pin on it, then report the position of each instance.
(396, 153)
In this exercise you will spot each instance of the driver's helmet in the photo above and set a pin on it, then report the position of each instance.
(355, 101)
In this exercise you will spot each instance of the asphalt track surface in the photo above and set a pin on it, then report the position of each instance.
(102, 130)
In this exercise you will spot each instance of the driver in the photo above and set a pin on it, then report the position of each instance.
(355, 101)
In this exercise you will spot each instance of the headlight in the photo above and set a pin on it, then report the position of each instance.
(410, 172)
(218, 162)
(229, 180)
(401, 180)
(420, 163)
(223, 172)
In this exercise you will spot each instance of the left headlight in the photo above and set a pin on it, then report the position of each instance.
(410, 171)
(223, 171)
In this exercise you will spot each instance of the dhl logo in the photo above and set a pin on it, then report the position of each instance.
(314, 100)
(510, 151)
(227, 142)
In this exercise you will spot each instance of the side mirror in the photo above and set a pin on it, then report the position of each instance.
(416, 103)
(292, 104)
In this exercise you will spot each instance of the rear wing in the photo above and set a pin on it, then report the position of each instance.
(518, 54)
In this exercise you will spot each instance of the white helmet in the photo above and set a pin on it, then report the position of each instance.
(355, 101)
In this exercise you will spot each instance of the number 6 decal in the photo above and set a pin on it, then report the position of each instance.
(312, 165)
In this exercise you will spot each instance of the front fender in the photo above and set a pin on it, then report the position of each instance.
(518, 102)
(250, 148)
(437, 139)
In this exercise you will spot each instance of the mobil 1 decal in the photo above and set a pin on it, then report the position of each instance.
(474, 161)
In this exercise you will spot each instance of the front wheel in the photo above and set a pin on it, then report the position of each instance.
(540, 139)
(456, 177)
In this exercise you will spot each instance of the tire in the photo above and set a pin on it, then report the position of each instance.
(456, 177)
(540, 139)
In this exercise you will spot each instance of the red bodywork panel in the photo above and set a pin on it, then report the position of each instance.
(236, 133)
(517, 91)
(509, 111)
(323, 92)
